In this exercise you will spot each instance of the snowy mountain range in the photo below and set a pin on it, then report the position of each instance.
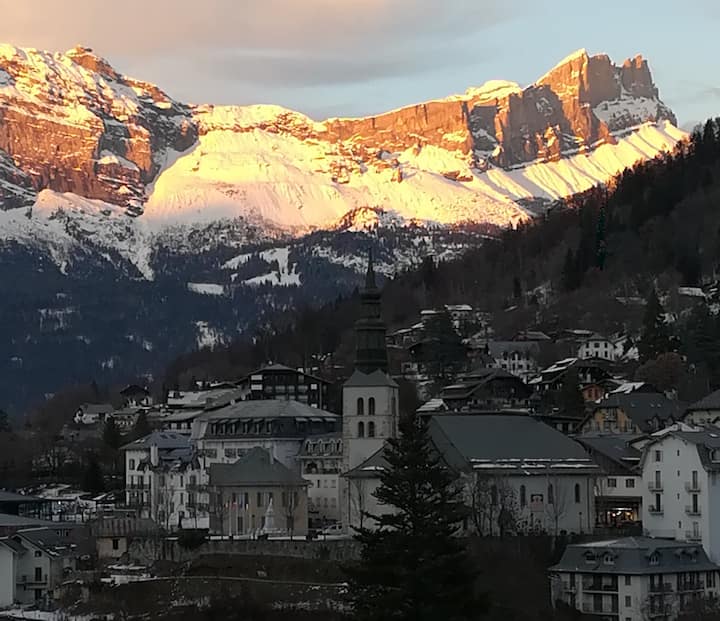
(128, 220)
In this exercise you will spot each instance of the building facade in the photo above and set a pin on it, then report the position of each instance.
(634, 578)
(320, 465)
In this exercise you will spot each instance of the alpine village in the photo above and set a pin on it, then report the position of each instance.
(519, 422)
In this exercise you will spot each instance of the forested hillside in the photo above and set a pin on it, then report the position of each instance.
(657, 224)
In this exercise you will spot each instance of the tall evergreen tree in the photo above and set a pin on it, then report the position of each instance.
(600, 243)
(570, 277)
(413, 567)
(570, 399)
(141, 428)
(111, 434)
(655, 338)
(93, 480)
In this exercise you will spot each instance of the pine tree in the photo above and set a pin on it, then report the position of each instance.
(111, 434)
(570, 280)
(655, 338)
(570, 399)
(93, 480)
(412, 566)
(141, 428)
(600, 243)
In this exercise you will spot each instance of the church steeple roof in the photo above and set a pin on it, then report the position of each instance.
(370, 349)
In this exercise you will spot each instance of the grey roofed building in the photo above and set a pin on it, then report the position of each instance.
(370, 468)
(164, 440)
(614, 449)
(709, 402)
(377, 378)
(506, 443)
(707, 442)
(255, 469)
(268, 408)
(498, 348)
(96, 408)
(642, 408)
(122, 527)
(632, 555)
(50, 541)
(12, 523)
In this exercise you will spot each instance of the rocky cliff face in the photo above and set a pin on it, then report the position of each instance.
(71, 123)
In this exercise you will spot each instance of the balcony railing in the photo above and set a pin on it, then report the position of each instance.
(692, 536)
(661, 587)
(138, 486)
(603, 609)
(655, 486)
(602, 587)
(697, 585)
(25, 579)
(692, 486)
(690, 510)
(655, 510)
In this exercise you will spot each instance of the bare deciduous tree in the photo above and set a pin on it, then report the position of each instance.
(358, 499)
(493, 504)
(558, 497)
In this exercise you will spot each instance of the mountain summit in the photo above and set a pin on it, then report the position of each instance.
(70, 123)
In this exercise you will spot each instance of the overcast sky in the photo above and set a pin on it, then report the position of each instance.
(354, 57)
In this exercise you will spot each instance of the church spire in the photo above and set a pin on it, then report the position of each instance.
(370, 349)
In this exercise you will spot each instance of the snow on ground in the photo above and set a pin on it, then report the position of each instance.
(207, 336)
(286, 274)
(206, 288)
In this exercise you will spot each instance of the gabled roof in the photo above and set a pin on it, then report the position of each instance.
(370, 468)
(122, 527)
(12, 497)
(375, 379)
(643, 407)
(267, 408)
(632, 555)
(12, 545)
(164, 440)
(255, 468)
(616, 447)
(47, 540)
(497, 442)
(96, 408)
(709, 402)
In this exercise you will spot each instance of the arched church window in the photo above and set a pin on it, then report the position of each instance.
(360, 406)
(371, 406)
(361, 429)
(371, 430)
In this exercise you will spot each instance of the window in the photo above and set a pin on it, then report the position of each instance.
(658, 456)
(628, 601)
(38, 554)
(523, 496)
(612, 482)
(259, 499)
(493, 495)
(629, 483)
(577, 492)
(131, 464)
(360, 409)
(371, 406)
(116, 544)
(710, 579)
(371, 430)
(38, 574)
(393, 406)
(608, 559)
(361, 429)
(655, 559)
(628, 580)
(550, 495)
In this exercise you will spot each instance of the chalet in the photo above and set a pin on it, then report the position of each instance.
(516, 357)
(638, 412)
(93, 413)
(552, 378)
(113, 536)
(276, 381)
(704, 412)
(135, 396)
(597, 346)
(486, 389)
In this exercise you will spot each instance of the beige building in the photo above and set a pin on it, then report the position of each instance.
(257, 495)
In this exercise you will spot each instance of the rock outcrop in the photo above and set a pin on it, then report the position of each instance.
(71, 123)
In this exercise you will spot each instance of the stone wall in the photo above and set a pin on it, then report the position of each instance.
(149, 550)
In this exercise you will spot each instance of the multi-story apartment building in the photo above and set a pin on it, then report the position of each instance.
(276, 381)
(320, 464)
(634, 578)
(681, 487)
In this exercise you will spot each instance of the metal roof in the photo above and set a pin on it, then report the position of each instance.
(643, 407)
(634, 555)
(710, 402)
(376, 378)
(255, 468)
(161, 439)
(266, 409)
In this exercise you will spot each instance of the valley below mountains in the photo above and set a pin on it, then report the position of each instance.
(134, 227)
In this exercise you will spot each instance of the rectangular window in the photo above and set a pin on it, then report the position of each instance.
(38, 574)
(259, 499)
(629, 483)
(628, 601)
(612, 482)
(658, 456)
(116, 544)
(628, 580)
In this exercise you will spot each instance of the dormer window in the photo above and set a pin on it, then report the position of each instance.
(608, 559)
(654, 558)
(589, 558)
